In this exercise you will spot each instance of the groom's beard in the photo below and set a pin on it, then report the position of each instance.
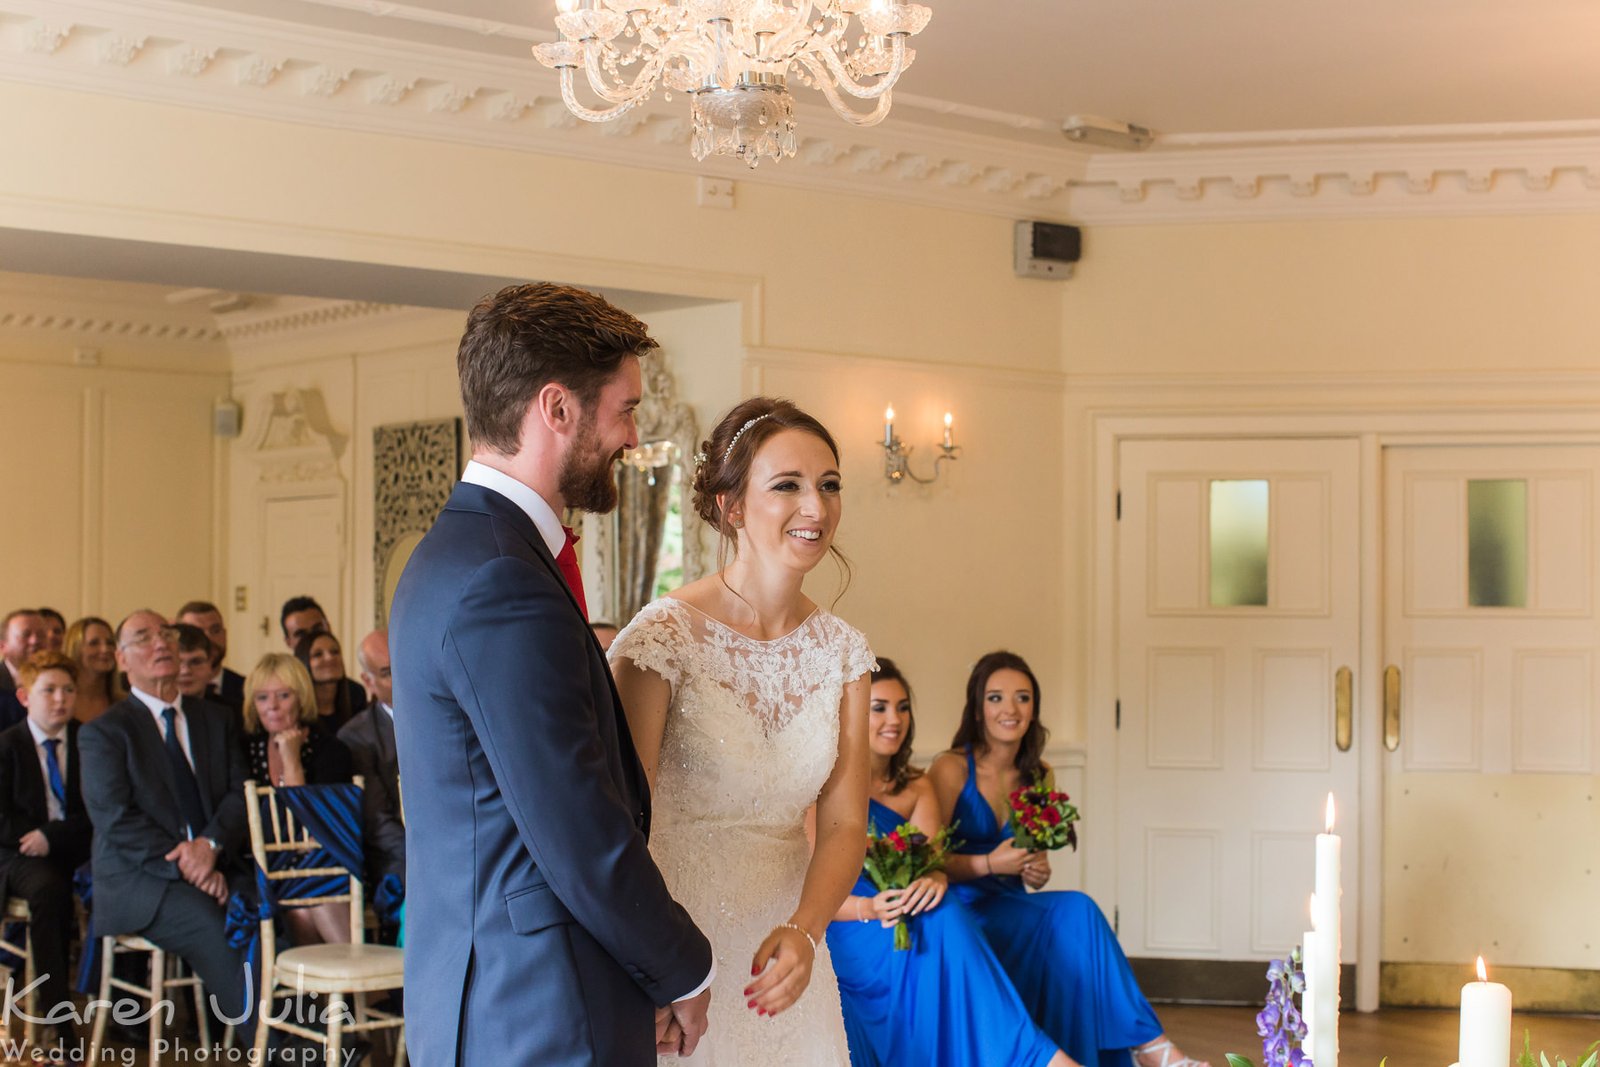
(587, 480)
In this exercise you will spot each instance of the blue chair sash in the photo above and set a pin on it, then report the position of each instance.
(332, 815)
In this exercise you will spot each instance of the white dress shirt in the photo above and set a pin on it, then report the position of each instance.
(544, 517)
(548, 524)
(53, 806)
(179, 723)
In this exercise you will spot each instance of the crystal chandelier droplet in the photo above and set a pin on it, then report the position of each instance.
(734, 60)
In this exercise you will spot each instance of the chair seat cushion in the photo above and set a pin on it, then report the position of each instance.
(363, 964)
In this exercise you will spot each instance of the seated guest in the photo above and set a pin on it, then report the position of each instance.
(370, 738)
(44, 829)
(226, 687)
(92, 646)
(948, 1001)
(55, 628)
(338, 697)
(302, 615)
(163, 781)
(21, 635)
(195, 658)
(287, 744)
(1057, 946)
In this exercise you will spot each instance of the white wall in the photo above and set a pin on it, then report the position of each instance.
(112, 473)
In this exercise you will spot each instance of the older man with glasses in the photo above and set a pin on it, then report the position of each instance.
(163, 782)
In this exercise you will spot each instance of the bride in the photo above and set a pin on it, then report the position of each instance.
(748, 703)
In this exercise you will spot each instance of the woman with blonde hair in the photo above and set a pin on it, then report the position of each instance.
(92, 645)
(288, 745)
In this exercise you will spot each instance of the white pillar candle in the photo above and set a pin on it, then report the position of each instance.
(1326, 917)
(1325, 922)
(1485, 1022)
(1308, 964)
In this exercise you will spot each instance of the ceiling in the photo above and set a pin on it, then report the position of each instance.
(1176, 66)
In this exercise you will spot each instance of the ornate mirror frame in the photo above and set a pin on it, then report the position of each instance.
(661, 416)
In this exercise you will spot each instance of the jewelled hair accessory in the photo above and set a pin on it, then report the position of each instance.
(729, 450)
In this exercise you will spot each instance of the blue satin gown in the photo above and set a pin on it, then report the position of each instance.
(1058, 949)
(945, 1002)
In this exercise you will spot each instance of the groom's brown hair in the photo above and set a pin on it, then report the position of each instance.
(526, 336)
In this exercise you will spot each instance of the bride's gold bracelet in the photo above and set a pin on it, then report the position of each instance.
(802, 931)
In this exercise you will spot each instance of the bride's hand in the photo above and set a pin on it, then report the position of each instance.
(783, 966)
(1008, 858)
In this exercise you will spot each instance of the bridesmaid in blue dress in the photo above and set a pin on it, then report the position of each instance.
(945, 1001)
(1057, 947)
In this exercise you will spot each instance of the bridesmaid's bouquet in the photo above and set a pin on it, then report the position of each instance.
(900, 857)
(1041, 818)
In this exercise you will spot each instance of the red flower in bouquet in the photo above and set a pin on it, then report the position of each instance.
(900, 857)
(1042, 818)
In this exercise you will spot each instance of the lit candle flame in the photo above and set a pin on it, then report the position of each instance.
(948, 419)
(888, 413)
(1329, 822)
(1483, 972)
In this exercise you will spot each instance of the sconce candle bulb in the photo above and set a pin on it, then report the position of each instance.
(896, 455)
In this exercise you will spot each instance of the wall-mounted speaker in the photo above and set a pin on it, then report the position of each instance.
(225, 418)
(1047, 249)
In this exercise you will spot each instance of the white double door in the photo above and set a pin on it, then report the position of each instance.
(1238, 627)
(1240, 571)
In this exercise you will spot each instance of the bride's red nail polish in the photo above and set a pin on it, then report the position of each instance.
(755, 969)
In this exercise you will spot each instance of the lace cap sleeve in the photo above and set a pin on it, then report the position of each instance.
(857, 654)
(657, 640)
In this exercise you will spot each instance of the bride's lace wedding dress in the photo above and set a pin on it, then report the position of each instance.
(751, 736)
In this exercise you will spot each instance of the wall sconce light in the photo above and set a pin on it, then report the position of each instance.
(650, 457)
(896, 456)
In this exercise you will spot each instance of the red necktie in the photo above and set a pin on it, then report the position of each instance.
(567, 561)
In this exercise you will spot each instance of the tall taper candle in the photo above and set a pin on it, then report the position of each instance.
(1325, 920)
(1485, 1022)
(888, 426)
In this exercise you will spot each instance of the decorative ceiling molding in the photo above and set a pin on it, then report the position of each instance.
(1502, 175)
(180, 53)
(302, 314)
(98, 326)
(187, 54)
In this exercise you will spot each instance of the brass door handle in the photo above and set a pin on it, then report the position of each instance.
(1391, 708)
(1342, 725)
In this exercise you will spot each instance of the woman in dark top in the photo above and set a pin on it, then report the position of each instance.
(338, 697)
(289, 744)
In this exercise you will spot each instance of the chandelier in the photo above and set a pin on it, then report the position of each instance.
(734, 59)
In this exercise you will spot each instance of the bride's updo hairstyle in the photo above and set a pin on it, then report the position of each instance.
(722, 469)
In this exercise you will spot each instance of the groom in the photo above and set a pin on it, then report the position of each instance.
(538, 929)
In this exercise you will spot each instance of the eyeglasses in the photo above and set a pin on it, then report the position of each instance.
(166, 634)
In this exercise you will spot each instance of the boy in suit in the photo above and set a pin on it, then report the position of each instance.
(44, 828)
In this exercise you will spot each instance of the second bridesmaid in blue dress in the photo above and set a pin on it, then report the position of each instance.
(1057, 947)
(945, 1002)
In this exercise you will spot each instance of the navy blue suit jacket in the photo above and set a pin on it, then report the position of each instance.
(547, 931)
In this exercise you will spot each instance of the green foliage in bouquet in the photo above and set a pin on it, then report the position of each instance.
(900, 857)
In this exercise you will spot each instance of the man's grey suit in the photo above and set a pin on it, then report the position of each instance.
(130, 791)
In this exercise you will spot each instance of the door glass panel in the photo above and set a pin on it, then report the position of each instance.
(1239, 520)
(1497, 543)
